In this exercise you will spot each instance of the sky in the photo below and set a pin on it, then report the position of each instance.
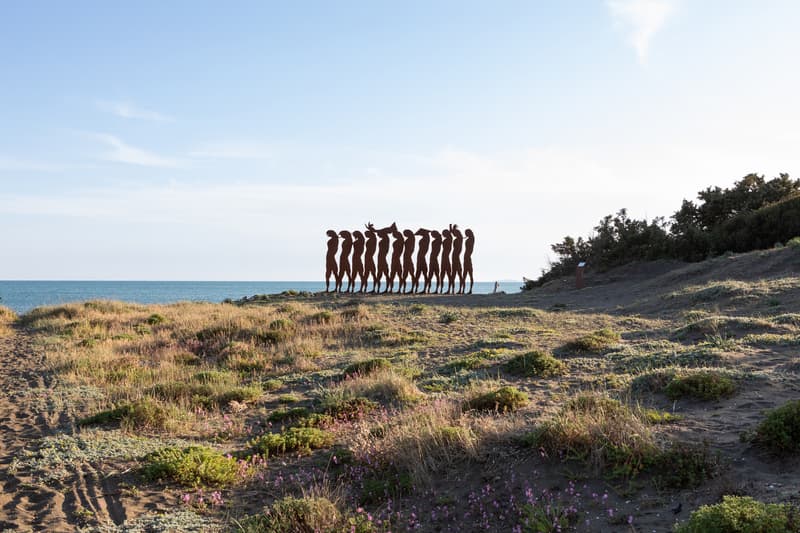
(194, 140)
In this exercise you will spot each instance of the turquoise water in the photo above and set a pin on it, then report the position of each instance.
(22, 296)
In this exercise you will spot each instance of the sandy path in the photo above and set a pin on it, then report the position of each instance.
(25, 505)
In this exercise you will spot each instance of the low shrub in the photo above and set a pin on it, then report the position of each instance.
(309, 514)
(448, 317)
(535, 364)
(504, 399)
(246, 394)
(702, 385)
(682, 466)
(599, 431)
(142, 414)
(385, 386)
(365, 367)
(351, 408)
(156, 319)
(780, 430)
(794, 242)
(742, 514)
(191, 466)
(285, 414)
(595, 342)
(301, 440)
(322, 317)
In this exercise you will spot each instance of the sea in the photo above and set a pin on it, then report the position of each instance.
(22, 296)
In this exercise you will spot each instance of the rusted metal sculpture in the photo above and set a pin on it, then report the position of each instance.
(331, 268)
(344, 260)
(446, 269)
(434, 270)
(422, 264)
(369, 258)
(397, 258)
(355, 259)
(357, 263)
(469, 246)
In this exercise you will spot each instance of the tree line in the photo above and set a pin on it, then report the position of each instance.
(754, 213)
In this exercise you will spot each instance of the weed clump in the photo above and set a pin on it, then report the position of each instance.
(191, 466)
(365, 367)
(535, 364)
(742, 514)
(595, 342)
(780, 431)
(305, 515)
(504, 399)
(301, 440)
(142, 414)
(702, 385)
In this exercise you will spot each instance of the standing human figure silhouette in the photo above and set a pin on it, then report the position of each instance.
(330, 260)
(446, 270)
(344, 260)
(422, 263)
(383, 255)
(358, 263)
(455, 264)
(469, 246)
(397, 258)
(369, 258)
(408, 262)
(434, 270)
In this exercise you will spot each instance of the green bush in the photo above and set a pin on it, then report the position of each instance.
(504, 399)
(323, 317)
(156, 319)
(742, 514)
(239, 394)
(682, 466)
(351, 408)
(793, 242)
(535, 363)
(703, 385)
(365, 367)
(596, 342)
(285, 414)
(305, 515)
(301, 440)
(448, 317)
(780, 431)
(191, 466)
(142, 414)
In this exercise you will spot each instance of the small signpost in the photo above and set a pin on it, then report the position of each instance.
(579, 275)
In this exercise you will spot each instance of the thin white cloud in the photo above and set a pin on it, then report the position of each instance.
(121, 152)
(641, 19)
(233, 149)
(131, 111)
(13, 164)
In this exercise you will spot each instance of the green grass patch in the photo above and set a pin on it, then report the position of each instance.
(504, 399)
(141, 414)
(598, 341)
(780, 430)
(535, 364)
(192, 466)
(742, 514)
(368, 366)
(700, 385)
(301, 440)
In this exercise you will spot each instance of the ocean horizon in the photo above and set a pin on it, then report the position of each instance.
(22, 296)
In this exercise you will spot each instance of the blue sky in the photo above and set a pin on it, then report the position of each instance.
(199, 140)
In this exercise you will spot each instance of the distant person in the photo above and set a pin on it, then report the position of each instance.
(422, 263)
(496, 288)
(330, 260)
(408, 261)
(455, 263)
(383, 255)
(358, 264)
(469, 246)
(446, 270)
(369, 258)
(344, 260)
(396, 267)
(434, 270)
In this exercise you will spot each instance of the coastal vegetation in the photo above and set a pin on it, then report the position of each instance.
(370, 413)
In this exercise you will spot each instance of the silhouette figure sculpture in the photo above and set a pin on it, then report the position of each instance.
(408, 262)
(344, 260)
(469, 245)
(330, 260)
(369, 258)
(422, 264)
(434, 270)
(358, 264)
(455, 264)
(383, 254)
(397, 255)
(446, 269)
